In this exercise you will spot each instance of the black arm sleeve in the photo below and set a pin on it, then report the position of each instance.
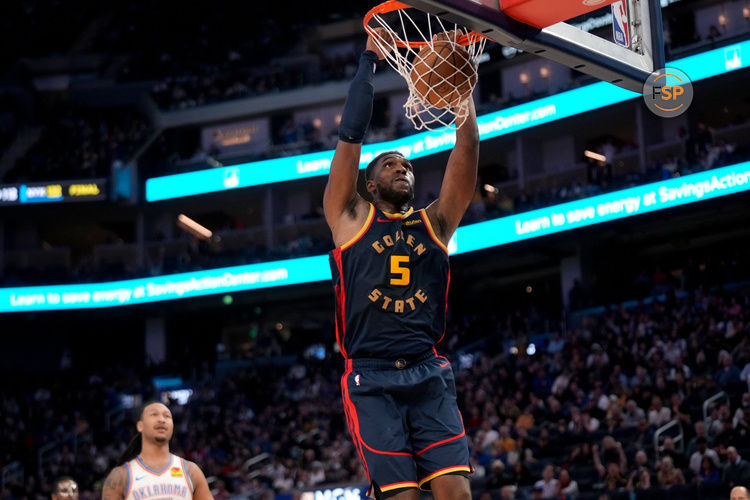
(358, 107)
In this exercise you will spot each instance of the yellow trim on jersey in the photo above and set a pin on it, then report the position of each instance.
(400, 216)
(442, 472)
(395, 486)
(362, 230)
(432, 231)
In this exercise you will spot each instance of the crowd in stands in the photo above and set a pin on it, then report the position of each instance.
(187, 91)
(235, 71)
(81, 144)
(602, 391)
(574, 419)
(219, 54)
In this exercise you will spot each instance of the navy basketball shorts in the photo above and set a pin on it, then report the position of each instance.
(404, 421)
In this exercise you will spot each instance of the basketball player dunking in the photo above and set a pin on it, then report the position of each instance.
(390, 272)
(149, 470)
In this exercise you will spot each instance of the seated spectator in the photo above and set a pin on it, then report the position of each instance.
(702, 452)
(700, 432)
(708, 473)
(581, 456)
(500, 476)
(543, 449)
(668, 475)
(550, 486)
(641, 460)
(509, 493)
(728, 375)
(741, 424)
(598, 357)
(486, 436)
(643, 437)
(612, 451)
(738, 413)
(537, 493)
(658, 415)
(668, 450)
(505, 441)
(568, 486)
(736, 470)
(632, 414)
(611, 474)
(716, 421)
(640, 479)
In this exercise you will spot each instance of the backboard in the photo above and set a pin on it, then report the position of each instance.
(627, 67)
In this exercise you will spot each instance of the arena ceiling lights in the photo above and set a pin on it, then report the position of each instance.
(556, 107)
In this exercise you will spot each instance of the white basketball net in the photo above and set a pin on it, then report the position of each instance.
(425, 107)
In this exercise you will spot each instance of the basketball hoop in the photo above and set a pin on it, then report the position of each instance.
(412, 36)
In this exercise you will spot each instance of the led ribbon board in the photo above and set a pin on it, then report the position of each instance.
(563, 217)
(603, 208)
(573, 102)
(168, 287)
(53, 191)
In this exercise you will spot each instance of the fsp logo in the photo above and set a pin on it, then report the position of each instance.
(668, 92)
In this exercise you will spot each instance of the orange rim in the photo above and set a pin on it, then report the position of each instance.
(394, 5)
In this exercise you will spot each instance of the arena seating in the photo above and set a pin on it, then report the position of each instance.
(81, 144)
(606, 384)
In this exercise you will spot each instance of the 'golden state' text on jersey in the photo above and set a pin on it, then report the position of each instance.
(171, 483)
(391, 282)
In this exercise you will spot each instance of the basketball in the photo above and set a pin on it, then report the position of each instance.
(443, 74)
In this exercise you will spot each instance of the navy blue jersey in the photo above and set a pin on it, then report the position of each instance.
(391, 282)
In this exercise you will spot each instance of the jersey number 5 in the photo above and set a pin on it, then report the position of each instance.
(400, 266)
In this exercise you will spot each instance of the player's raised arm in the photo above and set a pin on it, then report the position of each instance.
(345, 210)
(115, 485)
(459, 180)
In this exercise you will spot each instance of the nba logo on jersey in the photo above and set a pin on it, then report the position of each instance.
(620, 23)
(356, 379)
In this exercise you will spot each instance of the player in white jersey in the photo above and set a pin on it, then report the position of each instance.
(149, 471)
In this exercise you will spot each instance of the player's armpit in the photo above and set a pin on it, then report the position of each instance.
(202, 492)
(115, 484)
(345, 210)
